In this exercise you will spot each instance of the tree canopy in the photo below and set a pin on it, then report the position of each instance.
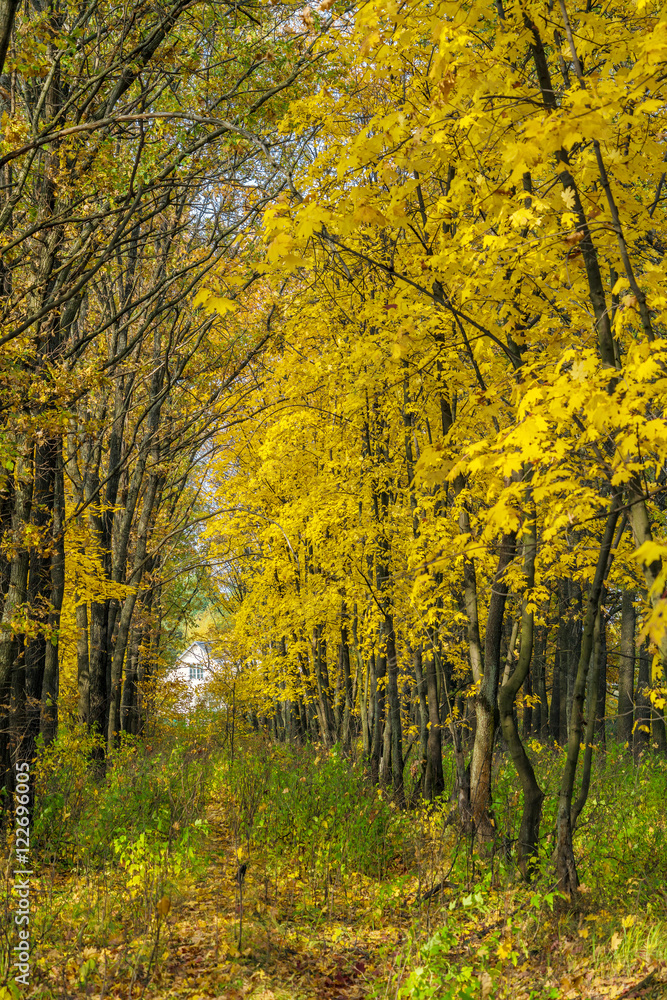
(346, 326)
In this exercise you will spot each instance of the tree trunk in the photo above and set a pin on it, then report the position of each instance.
(554, 707)
(98, 668)
(49, 692)
(394, 711)
(39, 588)
(15, 597)
(344, 668)
(593, 682)
(626, 670)
(533, 796)
(82, 662)
(643, 705)
(528, 708)
(542, 730)
(385, 759)
(486, 702)
(417, 663)
(378, 715)
(574, 648)
(600, 701)
(120, 647)
(565, 863)
(128, 705)
(434, 783)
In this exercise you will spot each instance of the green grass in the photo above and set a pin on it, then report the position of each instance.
(329, 855)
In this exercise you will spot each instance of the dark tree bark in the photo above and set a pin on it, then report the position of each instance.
(379, 675)
(528, 708)
(600, 701)
(394, 711)
(642, 704)
(417, 665)
(574, 646)
(542, 728)
(486, 703)
(626, 670)
(344, 669)
(554, 708)
(532, 794)
(591, 721)
(50, 681)
(565, 862)
(39, 589)
(658, 735)
(12, 666)
(434, 782)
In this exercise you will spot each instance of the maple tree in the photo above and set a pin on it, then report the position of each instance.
(352, 319)
(135, 155)
(469, 399)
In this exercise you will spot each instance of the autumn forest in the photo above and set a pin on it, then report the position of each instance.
(333, 344)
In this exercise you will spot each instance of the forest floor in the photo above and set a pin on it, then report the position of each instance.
(343, 896)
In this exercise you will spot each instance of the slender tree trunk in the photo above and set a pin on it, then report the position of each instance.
(434, 783)
(417, 664)
(8, 9)
(378, 715)
(532, 794)
(470, 601)
(385, 760)
(98, 667)
(365, 707)
(486, 703)
(6, 509)
(558, 672)
(591, 720)
(642, 705)
(344, 669)
(528, 708)
(15, 597)
(626, 670)
(325, 709)
(600, 702)
(574, 648)
(120, 647)
(39, 589)
(82, 662)
(658, 735)
(49, 692)
(128, 706)
(395, 712)
(541, 662)
(565, 862)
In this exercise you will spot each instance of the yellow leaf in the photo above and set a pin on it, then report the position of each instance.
(213, 303)
(220, 304)
(369, 41)
(369, 215)
(291, 261)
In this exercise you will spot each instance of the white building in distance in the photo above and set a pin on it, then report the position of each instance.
(193, 669)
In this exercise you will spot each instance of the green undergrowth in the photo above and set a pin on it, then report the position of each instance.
(327, 856)
(474, 928)
(156, 792)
